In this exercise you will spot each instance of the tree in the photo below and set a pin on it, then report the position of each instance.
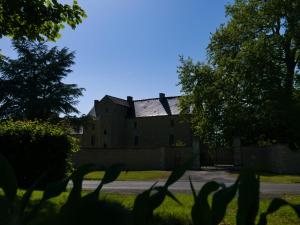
(37, 19)
(253, 63)
(31, 85)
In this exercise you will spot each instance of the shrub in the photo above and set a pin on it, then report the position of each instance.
(36, 149)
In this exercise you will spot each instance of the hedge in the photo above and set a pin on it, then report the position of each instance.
(37, 149)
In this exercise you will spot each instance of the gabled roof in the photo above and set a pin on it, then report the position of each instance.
(118, 101)
(92, 112)
(146, 107)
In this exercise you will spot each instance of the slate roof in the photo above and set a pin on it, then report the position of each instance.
(92, 112)
(156, 107)
(147, 107)
(118, 101)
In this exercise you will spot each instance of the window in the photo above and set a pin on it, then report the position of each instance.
(136, 140)
(93, 140)
(135, 124)
(105, 132)
(171, 139)
(172, 123)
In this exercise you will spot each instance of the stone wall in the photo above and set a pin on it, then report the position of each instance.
(275, 159)
(135, 159)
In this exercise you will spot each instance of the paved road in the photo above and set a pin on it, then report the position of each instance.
(199, 178)
(133, 187)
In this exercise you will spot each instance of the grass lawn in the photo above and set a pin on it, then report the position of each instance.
(133, 175)
(287, 179)
(158, 174)
(277, 178)
(172, 213)
(170, 209)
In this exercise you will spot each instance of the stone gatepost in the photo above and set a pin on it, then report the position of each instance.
(237, 154)
(196, 151)
(162, 161)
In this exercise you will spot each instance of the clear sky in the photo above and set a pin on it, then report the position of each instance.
(131, 47)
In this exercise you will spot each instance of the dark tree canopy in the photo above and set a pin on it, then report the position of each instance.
(37, 19)
(250, 85)
(31, 85)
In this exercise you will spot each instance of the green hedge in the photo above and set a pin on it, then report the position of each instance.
(37, 149)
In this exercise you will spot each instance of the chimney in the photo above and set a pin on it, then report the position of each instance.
(129, 99)
(96, 107)
(162, 96)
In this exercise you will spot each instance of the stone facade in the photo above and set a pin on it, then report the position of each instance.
(142, 134)
(119, 123)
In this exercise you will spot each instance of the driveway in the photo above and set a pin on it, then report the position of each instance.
(199, 178)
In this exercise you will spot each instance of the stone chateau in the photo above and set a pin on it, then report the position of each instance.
(129, 123)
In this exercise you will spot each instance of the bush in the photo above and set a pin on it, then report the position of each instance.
(36, 149)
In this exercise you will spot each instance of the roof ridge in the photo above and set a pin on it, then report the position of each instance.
(137, 100)
(116, 97)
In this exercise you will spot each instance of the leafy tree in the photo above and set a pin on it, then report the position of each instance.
(37, 19)
(250, 86)
(31, 85)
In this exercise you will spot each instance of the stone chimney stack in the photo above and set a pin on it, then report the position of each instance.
(162, 96)
(129, 99)
(96, 107)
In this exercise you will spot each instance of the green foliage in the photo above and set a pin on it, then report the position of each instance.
(16, 213)
(221, 200)
(275, 205)
(31, 85)
(89, 209)
(37, 19)
(247, 187)
(250, 85)
(248, 199)
(201, 212)
(36, 148)
(146, 202)
(203, 98)
(7, 179)
(180, 143)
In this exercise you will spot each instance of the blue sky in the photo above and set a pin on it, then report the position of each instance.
(131, 47)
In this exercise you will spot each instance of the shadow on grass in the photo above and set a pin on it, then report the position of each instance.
(169, 220)
(86, 213)
(104, 212)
